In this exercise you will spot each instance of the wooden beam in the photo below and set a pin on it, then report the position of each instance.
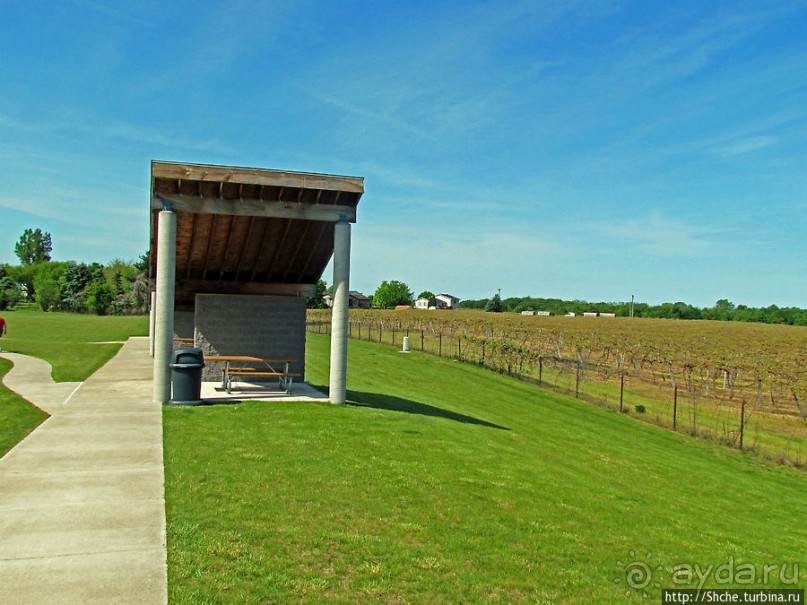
(259, 253)
(313, 249)
(237, 207)
(214, 287)
(256, 176)
(270, 268)
(226, 248)
(190, 246)
(244, 247)
(209, 245)
(297, 248)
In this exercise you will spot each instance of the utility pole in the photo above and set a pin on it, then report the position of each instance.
(631, 305)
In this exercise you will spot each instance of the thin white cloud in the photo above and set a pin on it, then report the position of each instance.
(659, 235)
(748, 145)
(76, 207)
(122, 130)
(115, 12)
(115, 130)
(377, 118)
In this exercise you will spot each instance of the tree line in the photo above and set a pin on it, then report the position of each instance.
(723, 310)
(388, 295)
(119, 288)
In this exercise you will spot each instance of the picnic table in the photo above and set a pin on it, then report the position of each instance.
(246, 366)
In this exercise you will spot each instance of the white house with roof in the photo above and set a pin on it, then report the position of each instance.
(356, 300)
(422, 303)
(447, 301)
(442, 301)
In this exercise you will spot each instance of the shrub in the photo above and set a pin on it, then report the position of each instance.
(99, 297)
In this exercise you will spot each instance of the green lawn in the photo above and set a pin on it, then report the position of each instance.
(444, 482)
(68, 341)
(17, 416)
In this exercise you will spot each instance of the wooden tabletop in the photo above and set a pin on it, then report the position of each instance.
(246, 359)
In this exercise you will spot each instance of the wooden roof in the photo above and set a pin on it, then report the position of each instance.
(247, 230)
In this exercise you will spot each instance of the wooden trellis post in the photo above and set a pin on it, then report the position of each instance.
(675, 406)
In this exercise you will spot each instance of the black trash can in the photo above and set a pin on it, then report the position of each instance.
(186, 376)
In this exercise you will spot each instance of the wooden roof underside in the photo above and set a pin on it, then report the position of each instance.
(249, 231)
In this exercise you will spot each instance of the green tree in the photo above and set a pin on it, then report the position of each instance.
(392, 293)
(430, 296)
(723, 310)
(136, 299)
(99, 297)
(47, 293)
(46, 278)
(9, 293)
(74, 282)
(142, 263)
(33, 247)
(494, 305)
(127, 282)
(317, 299)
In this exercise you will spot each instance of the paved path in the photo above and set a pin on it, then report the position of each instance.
(31, 378)
(82, 508)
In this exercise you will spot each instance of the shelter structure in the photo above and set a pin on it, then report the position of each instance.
(234, 254)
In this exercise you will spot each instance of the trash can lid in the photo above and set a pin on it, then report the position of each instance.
(187, 354)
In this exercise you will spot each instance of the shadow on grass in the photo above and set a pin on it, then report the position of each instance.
(396, 404)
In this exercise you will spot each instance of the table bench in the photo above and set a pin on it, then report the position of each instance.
(240, 366)
(285, 379)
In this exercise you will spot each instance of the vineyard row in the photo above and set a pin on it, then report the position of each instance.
(744, 405)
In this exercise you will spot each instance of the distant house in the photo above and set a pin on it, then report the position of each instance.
(422, 303)
(442, 301)
(446, 301)
(355, 300)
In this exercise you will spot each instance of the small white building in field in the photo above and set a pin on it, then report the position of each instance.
(422, 303)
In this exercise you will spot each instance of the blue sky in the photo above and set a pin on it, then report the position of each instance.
(587, 150)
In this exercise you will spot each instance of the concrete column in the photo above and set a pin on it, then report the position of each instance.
(164, 308)
(151, 323)
(339, 325)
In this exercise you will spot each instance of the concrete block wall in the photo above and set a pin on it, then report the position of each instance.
(183, 324)
(260, 326)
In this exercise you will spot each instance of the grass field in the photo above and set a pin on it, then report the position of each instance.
(68, 341)
(445, 482)
(17, 416)
(729, 374)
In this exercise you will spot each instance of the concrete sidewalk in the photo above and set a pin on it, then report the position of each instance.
(82, 507)
(31, 379)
